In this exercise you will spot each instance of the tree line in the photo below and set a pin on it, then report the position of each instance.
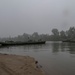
(64, 35)
(55, 36)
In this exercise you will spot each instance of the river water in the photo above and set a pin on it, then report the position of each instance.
(56, 58)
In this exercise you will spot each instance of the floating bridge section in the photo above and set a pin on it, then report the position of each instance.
(21, 43)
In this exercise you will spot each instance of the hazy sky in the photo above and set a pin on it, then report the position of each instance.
(28, 16)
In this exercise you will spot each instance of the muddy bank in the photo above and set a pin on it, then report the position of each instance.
(18, 65)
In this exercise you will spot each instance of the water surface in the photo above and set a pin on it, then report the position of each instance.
(56, 58)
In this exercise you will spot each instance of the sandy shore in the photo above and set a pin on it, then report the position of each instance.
(18, 65)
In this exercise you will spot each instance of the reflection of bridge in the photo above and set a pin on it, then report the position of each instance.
(20, 43)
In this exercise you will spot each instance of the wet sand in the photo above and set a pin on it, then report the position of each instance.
(18, 65)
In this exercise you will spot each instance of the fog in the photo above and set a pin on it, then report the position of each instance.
(28, 16)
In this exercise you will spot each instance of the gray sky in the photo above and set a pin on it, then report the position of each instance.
(28, 16)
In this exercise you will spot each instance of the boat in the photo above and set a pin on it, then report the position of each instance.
(10, 43)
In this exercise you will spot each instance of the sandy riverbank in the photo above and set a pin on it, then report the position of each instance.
(18, 65)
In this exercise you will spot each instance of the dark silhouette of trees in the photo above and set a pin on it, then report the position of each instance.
(55, 32)
(71, 33)
(55, 36)
(62, 35)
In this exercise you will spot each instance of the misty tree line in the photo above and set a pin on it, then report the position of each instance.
(64, 35)
(55, 36)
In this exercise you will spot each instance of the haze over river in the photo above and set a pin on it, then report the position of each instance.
(56, 58)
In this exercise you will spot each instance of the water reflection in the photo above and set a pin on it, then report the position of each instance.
(63, 47)
(71, 47)
(57, 58)
(55, 47)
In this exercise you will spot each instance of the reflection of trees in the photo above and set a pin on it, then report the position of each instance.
(63, 46)
(37, 47)
(71, 48)
(68, 47)
(55, 47)
(34, 48)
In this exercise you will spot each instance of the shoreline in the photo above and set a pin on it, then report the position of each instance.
(19, 65)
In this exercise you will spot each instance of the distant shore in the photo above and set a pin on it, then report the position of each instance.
(19, 65)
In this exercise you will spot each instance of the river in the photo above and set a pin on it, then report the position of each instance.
(56, 58)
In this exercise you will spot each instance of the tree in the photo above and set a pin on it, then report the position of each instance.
(35, 34)
(63, 34)
(71, 33)
(55, 32)
(55, 35)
